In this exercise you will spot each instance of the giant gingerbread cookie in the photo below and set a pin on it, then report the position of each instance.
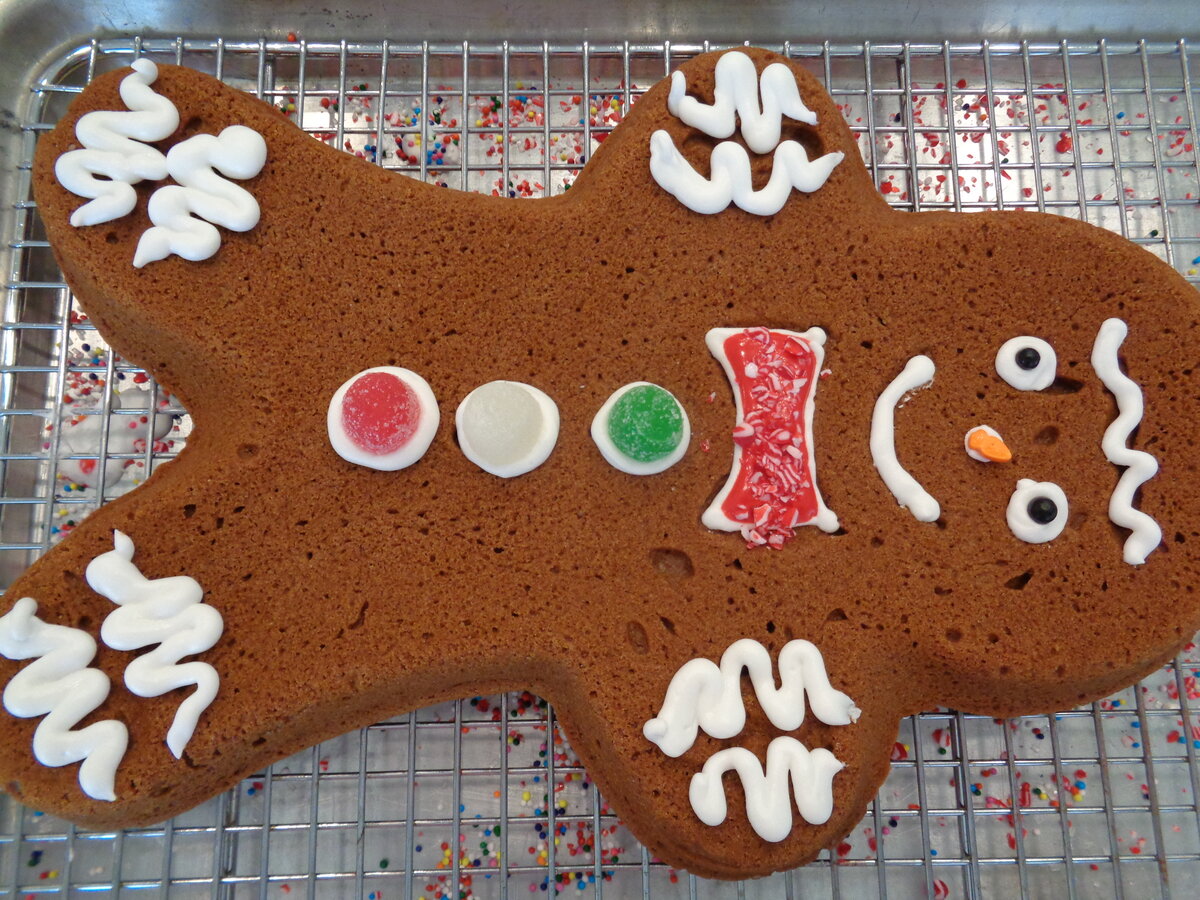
(726, 414)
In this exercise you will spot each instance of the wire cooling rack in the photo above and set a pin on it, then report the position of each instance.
(484, 797)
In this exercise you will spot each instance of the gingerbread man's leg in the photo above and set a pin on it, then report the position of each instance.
(715, 770)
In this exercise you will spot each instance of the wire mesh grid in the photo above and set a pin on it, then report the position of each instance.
(484, 797)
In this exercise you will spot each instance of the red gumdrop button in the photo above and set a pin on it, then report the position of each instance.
(380, 413)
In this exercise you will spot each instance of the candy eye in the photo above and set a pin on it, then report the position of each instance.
(1027, 363)
(1037, 511)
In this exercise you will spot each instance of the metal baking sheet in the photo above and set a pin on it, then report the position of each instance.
(484, 797)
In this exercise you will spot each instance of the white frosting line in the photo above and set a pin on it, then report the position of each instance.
(60, 686)
(1140, 465)
(503, 435)
(907, 491)
(768, 801)
(427, 424)
(730, 180)
(735, 95)
(237, 152)
(701, 695)
(111, 149)
(169, 612)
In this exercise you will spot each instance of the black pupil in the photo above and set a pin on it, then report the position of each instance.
(1028, 358)
(1043, 510)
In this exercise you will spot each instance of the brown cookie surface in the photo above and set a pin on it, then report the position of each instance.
(350, 595)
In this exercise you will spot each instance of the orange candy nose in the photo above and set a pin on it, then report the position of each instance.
(985, 445)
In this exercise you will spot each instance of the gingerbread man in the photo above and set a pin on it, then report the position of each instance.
(769, 467)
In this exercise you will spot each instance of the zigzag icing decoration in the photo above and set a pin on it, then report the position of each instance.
(111, 149)
(237, 152)
(736, 98)
(731, 181)
(60, 686)
(166, 611)
(703, 695)
(768, 802)
(736, 95)
(1141, 466)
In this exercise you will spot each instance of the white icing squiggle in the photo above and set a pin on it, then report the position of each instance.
(701, 695)
(735, 95)
(166, 611)
(907, 491)
(1140, 465)
(60, 686)
(768, 802)
(111, 149)
(730, 180)
(237, 152)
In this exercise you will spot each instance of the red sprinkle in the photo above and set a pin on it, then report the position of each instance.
(380, 413)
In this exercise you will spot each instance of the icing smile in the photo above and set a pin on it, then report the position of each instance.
(1037, 512)
(906, 489)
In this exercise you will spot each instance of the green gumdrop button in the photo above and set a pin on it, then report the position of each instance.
(646, 423)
